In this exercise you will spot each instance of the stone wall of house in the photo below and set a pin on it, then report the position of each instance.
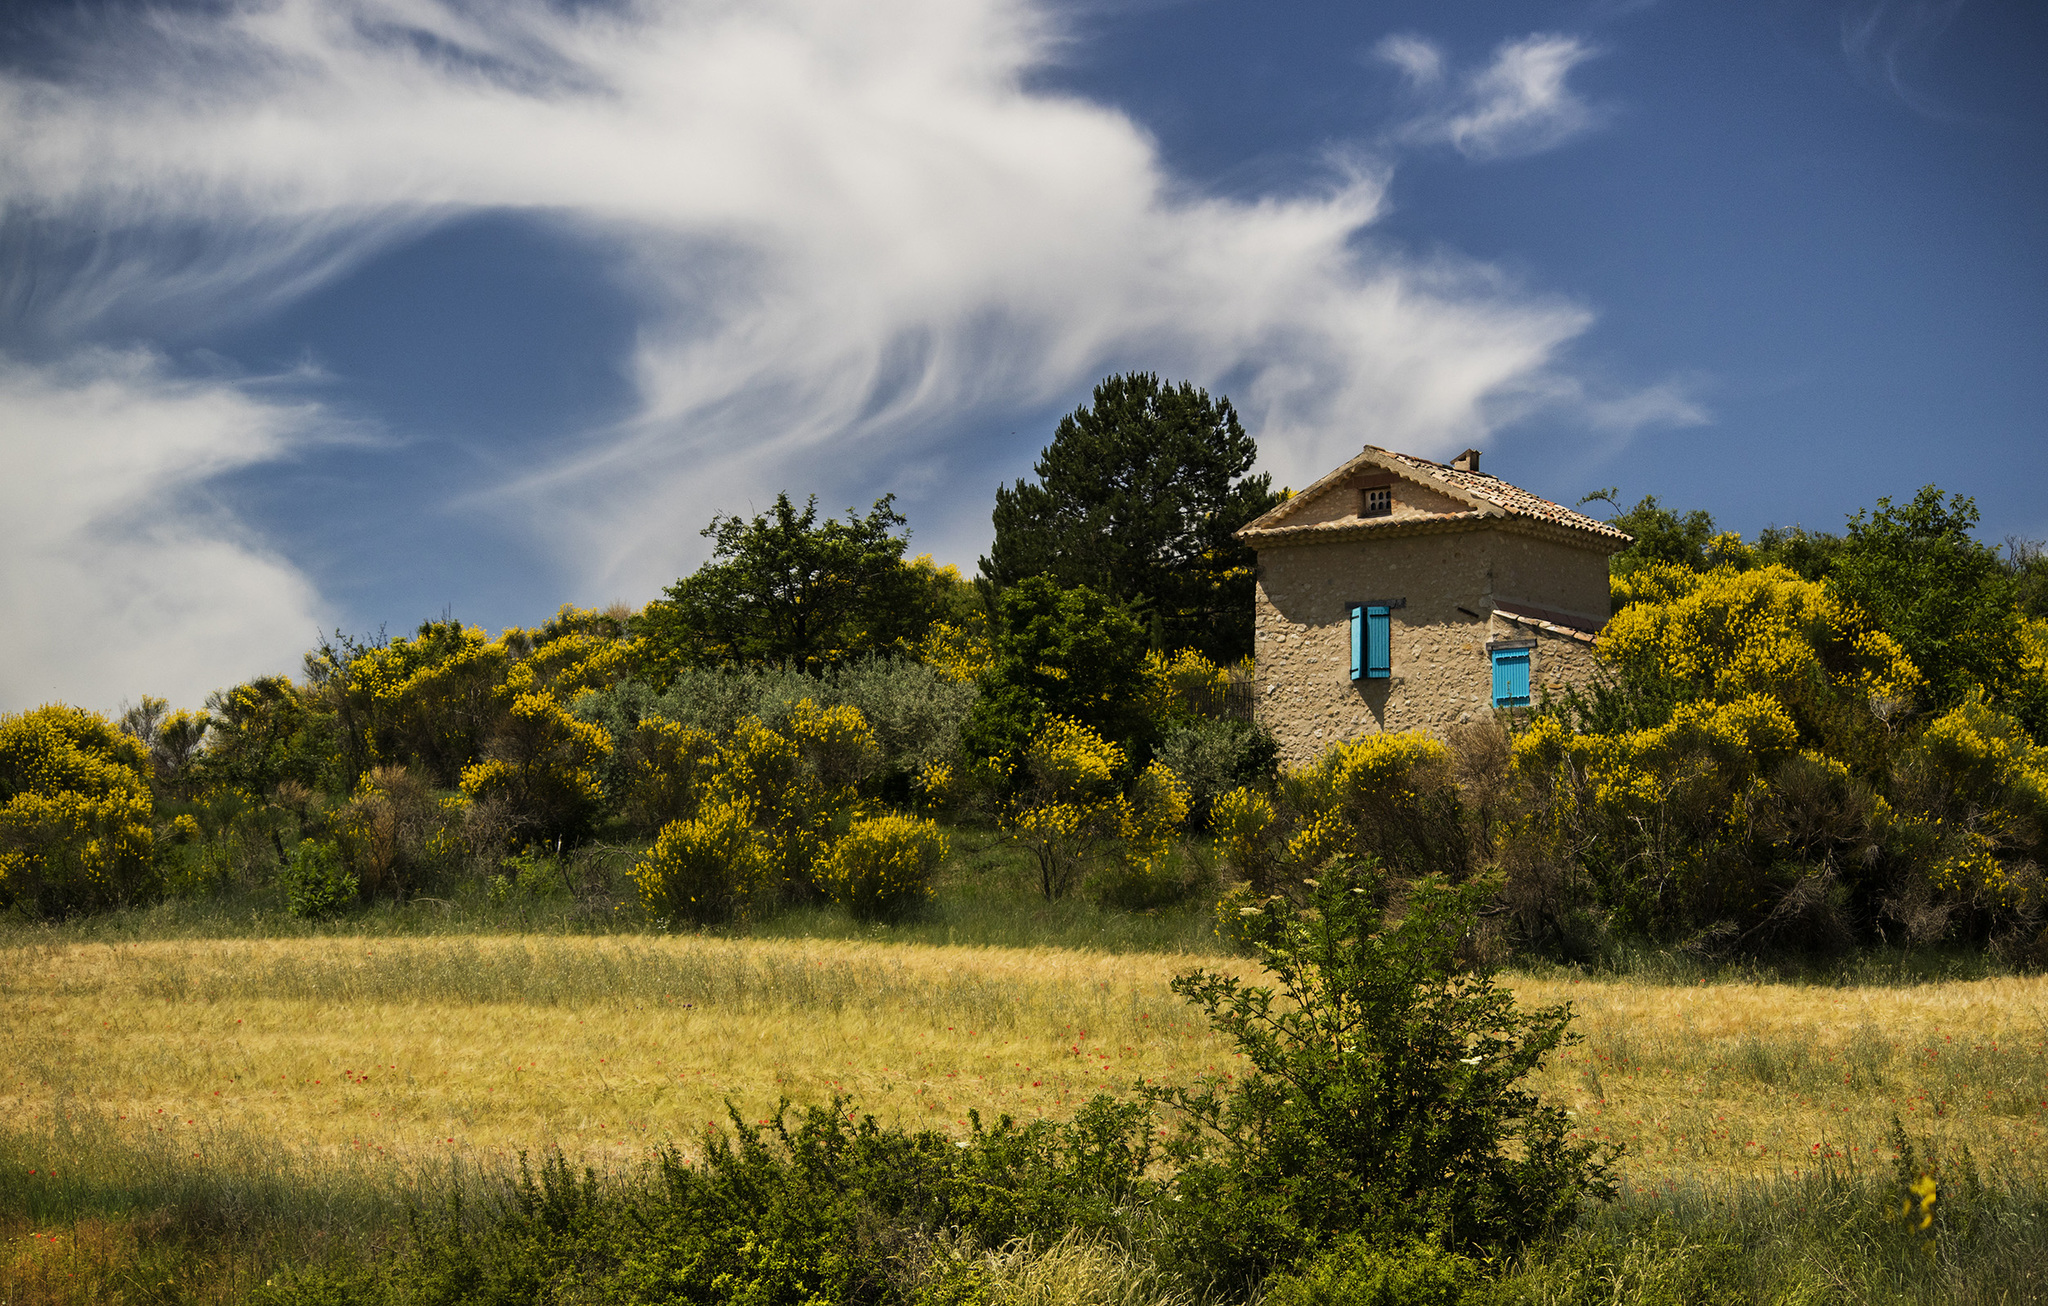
(1442, 671)
(1550, 574)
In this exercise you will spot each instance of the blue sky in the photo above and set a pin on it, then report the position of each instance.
(340, 313)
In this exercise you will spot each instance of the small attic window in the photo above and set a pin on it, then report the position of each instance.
(1379, 502)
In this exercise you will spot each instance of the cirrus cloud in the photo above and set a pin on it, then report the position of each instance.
(855, 233)
(121, 578)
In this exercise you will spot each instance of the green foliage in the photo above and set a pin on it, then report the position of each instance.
(173, 740)
(315, 881)
(881, 870)
(1381, 1089)
(1137, 499)
(834, 1210)
(1215, 756)
(786, 589)
(544, 768)
(1660, 535)
(915, 713)
(1359, 1271)
(1947, 599)
(259, 734)
(1059, 652)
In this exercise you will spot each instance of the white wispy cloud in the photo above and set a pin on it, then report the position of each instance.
(1519, 103)
(857, 231)
(119, 578)
(1883, 41)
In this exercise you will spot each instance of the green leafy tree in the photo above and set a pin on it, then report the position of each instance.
(787, 588)
(1810, 554)
(1138, 496)
(1059, 652)
(1659, 534)
(1382, 1088)
(1949, 600)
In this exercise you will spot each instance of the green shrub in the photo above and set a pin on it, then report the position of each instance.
(881, 870)
(1213, 757)
(1381, 1089)
(315, 881)
(706, 871)
(1355, 1272)
(834, 1210)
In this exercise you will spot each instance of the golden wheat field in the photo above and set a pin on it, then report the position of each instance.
(368, 1054)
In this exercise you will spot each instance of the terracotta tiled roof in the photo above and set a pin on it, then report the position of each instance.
(1511, 497)
(1489, 496)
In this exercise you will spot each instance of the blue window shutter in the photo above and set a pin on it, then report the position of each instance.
(1357, 641)
(1379, 643)
(1511, 677)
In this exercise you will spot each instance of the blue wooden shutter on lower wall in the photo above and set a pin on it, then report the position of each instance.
(1511, 677)
(1379, 643)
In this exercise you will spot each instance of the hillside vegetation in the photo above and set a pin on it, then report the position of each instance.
(838, 929)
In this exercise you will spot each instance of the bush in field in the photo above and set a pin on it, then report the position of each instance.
(1383, 1089)
(544, 766)
(1215, 756)
(666, 767)
(913, 710)
(800, 783)
(708, 870)
(1362, 1271)
(836, 1209)
(74, 812)
(315, 881)
(1974, 794)
(1072, 805)
(1389, 796)
(396, 835)
(1150, 868)
(881, 869)
(1247, 832)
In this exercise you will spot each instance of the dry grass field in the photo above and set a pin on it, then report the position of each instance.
(374, 1056)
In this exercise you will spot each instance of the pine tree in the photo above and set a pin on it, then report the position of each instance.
(1137, 498)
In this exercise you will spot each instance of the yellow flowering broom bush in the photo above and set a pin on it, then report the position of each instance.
(74, 812)
(881, 869)
(1725, 635)
(1071, 806)
(708, 870)
(1979, 788)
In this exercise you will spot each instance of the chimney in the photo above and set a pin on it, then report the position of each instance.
(1467, 461)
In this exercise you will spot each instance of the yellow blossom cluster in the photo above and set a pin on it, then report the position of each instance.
(958, 653)
(1983, 788)
(74, 811)
(1074, 802)
(1731, 742)
(762, 803)
(881, 869)
(1730, 634)
(1185, 684)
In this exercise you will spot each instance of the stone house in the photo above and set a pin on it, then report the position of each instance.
(1398, 593)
